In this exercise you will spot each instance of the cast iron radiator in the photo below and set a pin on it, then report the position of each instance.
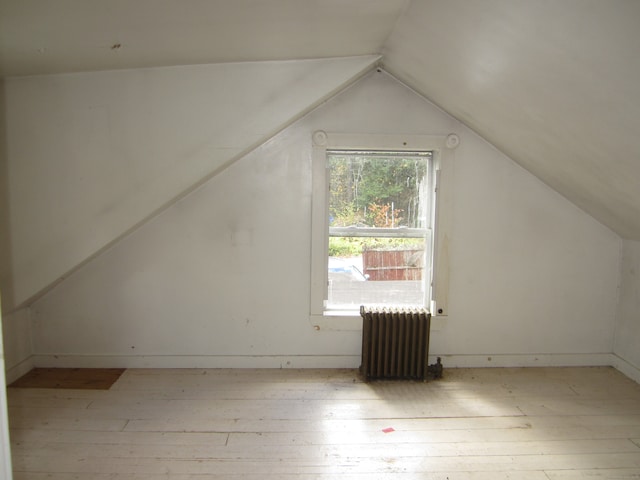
(395, 344)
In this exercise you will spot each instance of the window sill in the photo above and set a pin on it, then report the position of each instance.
(350, 320)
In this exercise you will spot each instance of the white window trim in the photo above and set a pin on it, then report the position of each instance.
(442, 147)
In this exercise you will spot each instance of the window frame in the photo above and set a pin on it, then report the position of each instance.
(442, 147)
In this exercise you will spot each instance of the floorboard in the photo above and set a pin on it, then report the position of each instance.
(474, 424)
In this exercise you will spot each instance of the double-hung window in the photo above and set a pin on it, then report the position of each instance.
(379, 235)
(373, 223)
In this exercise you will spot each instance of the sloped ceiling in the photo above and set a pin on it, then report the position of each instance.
(555, 85)
(44, 36)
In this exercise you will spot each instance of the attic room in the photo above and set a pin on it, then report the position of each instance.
(159, 215)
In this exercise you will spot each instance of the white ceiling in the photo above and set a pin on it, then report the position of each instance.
(53, 36)
(553, 84)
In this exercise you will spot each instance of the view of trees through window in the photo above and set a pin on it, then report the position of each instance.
(378, 219)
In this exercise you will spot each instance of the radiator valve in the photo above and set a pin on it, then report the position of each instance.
(435, 370)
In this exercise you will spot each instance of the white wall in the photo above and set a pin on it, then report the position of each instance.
(90, 156)
(628, 323)
(221, 278)
(16, 330)
(531, 275)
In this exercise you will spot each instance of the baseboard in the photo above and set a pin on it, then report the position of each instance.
(626, 368)
(15, 372)
(196, 361)
(308, 361)
(525, 360)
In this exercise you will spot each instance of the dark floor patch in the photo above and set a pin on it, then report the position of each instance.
(79, 378)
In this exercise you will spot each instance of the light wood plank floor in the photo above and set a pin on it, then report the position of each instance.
(479, 424)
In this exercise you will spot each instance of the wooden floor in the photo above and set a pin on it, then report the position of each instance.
(479, 424)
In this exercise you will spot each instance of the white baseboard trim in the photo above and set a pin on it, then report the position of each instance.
(196, 361)
(310, 361)
(15, 372)
(524, 360)
(626, 368)
(313, 361)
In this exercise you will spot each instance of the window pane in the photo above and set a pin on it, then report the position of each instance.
(383, 190)
(376, 271)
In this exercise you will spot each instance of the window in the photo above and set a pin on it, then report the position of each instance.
(379, 236)
(379, 228)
